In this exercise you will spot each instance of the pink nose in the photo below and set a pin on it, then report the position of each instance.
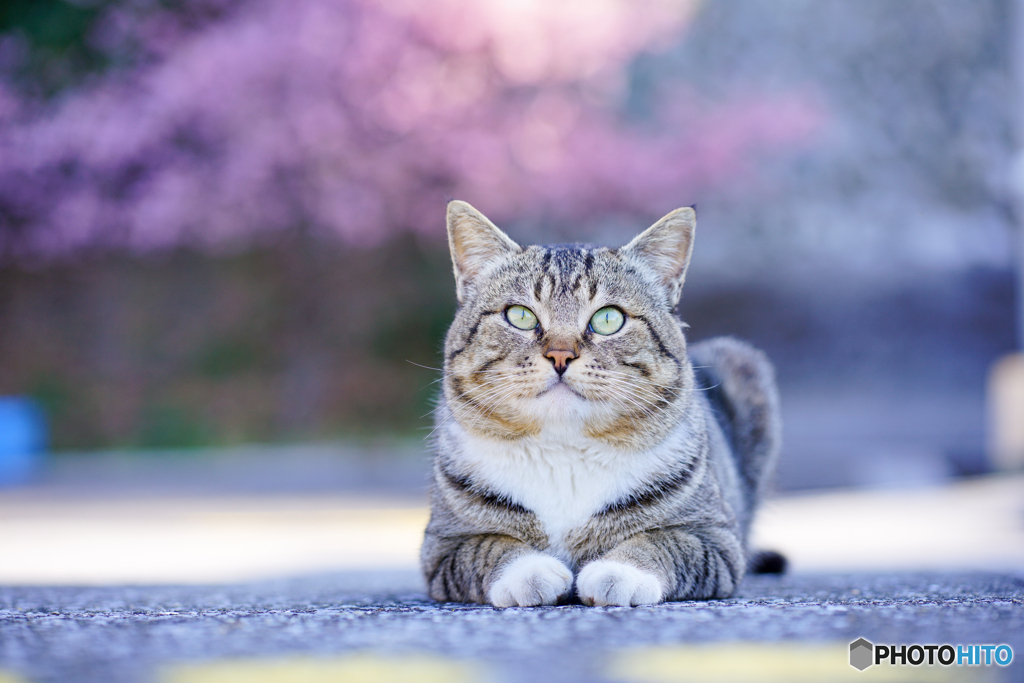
(560, 359)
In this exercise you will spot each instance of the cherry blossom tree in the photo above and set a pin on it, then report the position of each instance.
(354, 119)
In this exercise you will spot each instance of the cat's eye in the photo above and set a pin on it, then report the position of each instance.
(521, 317)
(608, 320)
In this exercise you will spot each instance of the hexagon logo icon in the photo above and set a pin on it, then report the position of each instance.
(861, 654)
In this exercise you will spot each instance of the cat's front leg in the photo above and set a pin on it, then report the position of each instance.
(496, 569)
(664, 564)
(534, 579)
(611, 582)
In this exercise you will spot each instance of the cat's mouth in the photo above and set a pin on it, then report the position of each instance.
(560, 386)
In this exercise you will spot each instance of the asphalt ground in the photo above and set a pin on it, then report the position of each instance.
(362, 626)
(111, 586)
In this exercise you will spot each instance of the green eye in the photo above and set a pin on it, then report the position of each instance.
(608, 320)
(521, 317)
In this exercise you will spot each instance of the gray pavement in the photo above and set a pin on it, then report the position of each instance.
(139, 634)
(142, 534)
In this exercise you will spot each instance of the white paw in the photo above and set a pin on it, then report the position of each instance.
(607, 582)
(531, 580)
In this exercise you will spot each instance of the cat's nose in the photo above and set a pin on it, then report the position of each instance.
(560, 359)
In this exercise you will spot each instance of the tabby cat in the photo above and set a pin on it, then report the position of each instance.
(581, 449)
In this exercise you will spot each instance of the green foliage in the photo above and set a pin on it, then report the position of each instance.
(295, 341)
(164, 425)
(224, 357)
(53, 24)
(63, 42)
(56, 37)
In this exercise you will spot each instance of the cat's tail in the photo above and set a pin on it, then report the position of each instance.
(739, 381)
(767, 562)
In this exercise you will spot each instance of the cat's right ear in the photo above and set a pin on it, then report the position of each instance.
(474, 242)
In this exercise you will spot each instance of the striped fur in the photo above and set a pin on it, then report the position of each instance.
(631, 478)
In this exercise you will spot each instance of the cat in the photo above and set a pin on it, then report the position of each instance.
(581, 450)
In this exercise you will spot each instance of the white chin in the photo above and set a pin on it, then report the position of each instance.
(561, 392)
(558, 401)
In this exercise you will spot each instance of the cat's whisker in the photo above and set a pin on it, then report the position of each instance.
(492, 385)
(658, 395)
(493, 380)
(650, 408)
(483, 409)
(635, 400)
(637, 379)
(498, 386)
(625, 408)
(425, 367)
(638, 401)
(441, 379)
(492, 404)
(459, 411)
(450, 403)
(622, 383)
(631, 393)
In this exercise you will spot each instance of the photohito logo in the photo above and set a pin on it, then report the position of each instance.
(863, 653)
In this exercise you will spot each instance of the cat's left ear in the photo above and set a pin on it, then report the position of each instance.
(666, 247)
(474, 242)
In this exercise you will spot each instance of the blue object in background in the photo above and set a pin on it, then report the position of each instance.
(22, 439)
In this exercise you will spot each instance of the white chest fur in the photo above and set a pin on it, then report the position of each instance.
(562, 478)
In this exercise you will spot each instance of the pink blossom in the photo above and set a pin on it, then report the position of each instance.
(356, 118)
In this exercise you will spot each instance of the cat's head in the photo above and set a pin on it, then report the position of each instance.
(569, 338)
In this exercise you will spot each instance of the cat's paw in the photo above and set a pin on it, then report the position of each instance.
(531, 580)
(607, 582)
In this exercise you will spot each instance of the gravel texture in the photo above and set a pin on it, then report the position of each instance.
(126, 634)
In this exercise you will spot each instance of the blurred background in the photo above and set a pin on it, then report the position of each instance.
(222, 251)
